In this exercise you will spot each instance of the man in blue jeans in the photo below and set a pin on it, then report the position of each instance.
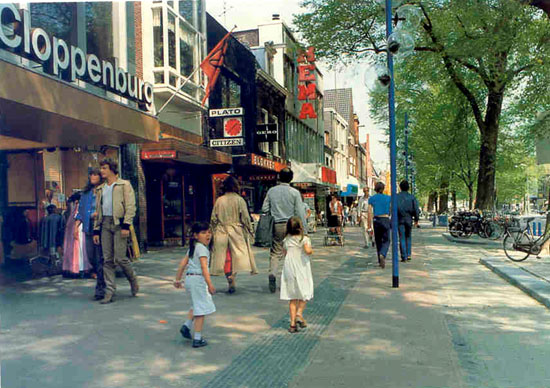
(407, 213)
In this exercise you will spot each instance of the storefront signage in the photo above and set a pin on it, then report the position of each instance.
(161, 154)
(328, 175)
(268, 164)
(237, 141)
(233, 127)
(224, 112)
(67, 61)
(267, 132)
(308, 195)
(268, 177)
(307, 88)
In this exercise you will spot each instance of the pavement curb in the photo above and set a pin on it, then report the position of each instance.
(532, 285)
(491, 243)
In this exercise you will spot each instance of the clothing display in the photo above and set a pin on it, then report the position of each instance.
(75, 256)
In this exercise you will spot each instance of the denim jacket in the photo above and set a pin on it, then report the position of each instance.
(86, 208)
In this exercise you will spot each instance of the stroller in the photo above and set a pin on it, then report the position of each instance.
(333, 237)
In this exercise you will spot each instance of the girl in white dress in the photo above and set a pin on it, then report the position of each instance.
(296, 281)
(198, 282)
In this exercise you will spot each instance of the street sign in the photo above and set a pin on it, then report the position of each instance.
(233, 127)
(267, 132)
(224, 112)
(234, 142)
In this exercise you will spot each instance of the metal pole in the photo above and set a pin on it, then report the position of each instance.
(393, 153)
(406, 147)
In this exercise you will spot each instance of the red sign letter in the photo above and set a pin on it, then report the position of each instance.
(306, 73)
(305, 92)
(307, 111)
(308, 56)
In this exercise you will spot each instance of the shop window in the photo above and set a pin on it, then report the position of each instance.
(159, 77)
(264, 118)
(231, 93)
(130, 36)
(99, 29)
(170, 3)
(57, 19)
(187, 11)
(157, 37)
(173, 80)
(187, 50)
(171, 40)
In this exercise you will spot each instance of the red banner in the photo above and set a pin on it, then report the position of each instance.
(328, 175)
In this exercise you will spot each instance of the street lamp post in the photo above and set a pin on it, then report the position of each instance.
(406, 147)
(393, 153)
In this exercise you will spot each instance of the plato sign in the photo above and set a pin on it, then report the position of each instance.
(224, 112)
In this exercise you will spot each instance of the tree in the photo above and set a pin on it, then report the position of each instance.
(489, 49)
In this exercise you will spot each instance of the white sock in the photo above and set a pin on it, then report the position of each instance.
(189, 324)
(197, 336)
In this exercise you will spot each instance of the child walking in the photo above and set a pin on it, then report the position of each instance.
(198, 282)
(296, 281)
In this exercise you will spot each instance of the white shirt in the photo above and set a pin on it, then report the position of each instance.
(107, 199)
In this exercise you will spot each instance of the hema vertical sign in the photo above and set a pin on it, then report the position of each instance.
(68, 61)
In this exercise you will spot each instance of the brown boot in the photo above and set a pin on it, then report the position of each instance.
(108, 298)
(382, 261)
(135, 286)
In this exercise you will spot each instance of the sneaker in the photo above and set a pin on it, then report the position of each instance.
(272, 284)
(134, 286)
(108, 298)
(185, 332)
(199, 343)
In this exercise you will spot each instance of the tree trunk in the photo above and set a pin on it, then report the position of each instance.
(432, 201)
(488, 152)
(453, 197)
(470, 197)
(443, 196)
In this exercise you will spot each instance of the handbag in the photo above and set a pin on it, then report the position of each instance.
(264, 231)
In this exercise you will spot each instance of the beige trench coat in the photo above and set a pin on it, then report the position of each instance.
(232, 229)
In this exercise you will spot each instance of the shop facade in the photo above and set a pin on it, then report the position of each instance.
(69, 97)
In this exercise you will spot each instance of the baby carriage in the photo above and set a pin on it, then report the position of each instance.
(333, 237)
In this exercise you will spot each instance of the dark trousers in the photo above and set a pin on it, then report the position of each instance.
(405, 241)
(382, 229)
(95, 255)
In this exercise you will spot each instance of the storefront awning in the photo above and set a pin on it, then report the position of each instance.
(45, 111)
(183, 151)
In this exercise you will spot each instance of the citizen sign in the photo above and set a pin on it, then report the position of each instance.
(238, 141)
(66, 60)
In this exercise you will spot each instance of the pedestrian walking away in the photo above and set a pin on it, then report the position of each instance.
(85, 217)
(232, 235)
(380, 204)
(282, 202)
(197, 280)
(116, 208)
(336, 214)
(365, 218)
(296, 280)
(407, 213)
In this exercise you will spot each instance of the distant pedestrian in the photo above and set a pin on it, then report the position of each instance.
(335, 216)
(297, 280)
(407, 213)
(365, 218)
(346, 215)
(200, 287)
(116, 209)
(353, 214)
(232, 235)
(380, 204)
(282, 202)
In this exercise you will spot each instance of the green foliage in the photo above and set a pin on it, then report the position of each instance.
(467, 54)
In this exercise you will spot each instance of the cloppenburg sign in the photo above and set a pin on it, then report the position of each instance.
(69, 61)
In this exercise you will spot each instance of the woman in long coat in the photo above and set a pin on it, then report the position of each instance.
(233, 233)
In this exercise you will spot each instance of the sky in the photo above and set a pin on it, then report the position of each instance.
(247, 14)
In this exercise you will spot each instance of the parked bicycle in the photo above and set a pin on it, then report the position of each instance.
(465, 224)
(519, 243)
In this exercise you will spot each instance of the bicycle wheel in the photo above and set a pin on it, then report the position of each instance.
(482, 230)
(510, 243)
